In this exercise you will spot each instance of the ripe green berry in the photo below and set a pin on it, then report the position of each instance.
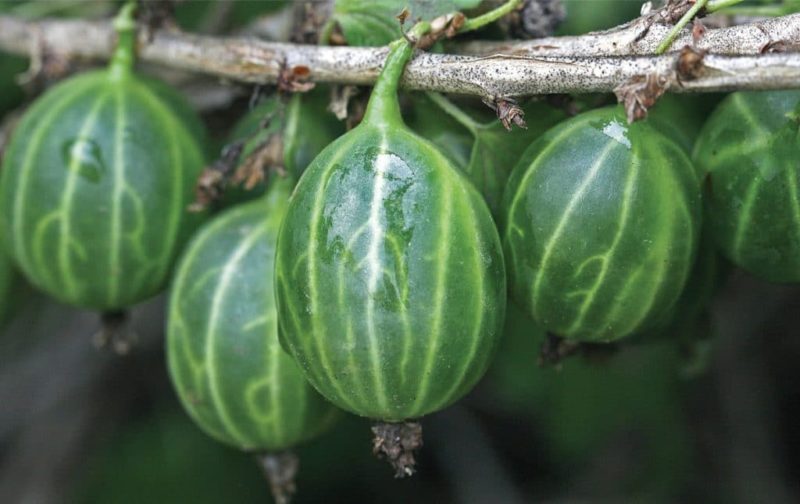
(95, 185)
(750, 148)
(601, 226)
(391, 283)
(225, 361)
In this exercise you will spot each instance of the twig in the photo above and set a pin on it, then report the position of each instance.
(501, 75)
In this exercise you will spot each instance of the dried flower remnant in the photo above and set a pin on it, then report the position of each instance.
(397, 442)
(508, 112)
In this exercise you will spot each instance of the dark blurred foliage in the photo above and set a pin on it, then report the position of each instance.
(197, 15)
(82, 425)
(584, 16)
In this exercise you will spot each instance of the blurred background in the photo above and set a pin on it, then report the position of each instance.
(707, 411)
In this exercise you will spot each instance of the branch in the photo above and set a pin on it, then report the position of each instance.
(255, 61)
(641, 37)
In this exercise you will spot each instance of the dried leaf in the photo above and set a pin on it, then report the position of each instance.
(690, 63)
(455, 25)
(640, 93)
(267, 155)
(446, 25)
(403, 16)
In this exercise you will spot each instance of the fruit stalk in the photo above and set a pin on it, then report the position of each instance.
(124, 55)
(383, 105)
(490, 17)
(682, 22)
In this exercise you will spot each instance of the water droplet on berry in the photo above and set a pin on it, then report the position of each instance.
(84, 157)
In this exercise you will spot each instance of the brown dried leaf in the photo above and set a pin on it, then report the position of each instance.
(267, 155)
(426, 41)
(690, 63)
(455, 25)
(439, 24)
(403, 16)
(446, 25)
(640, 93)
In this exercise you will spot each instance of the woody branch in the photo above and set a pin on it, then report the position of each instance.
(734, 58)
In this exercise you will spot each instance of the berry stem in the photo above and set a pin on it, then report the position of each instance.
(682, 22)
(490, 17)
(124, 55)
(383, 108)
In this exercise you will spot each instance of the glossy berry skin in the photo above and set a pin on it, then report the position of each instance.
(225, 361)
(481, 147)
(391, 282)
(750, 149)
(95, 185)
(601, 226)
